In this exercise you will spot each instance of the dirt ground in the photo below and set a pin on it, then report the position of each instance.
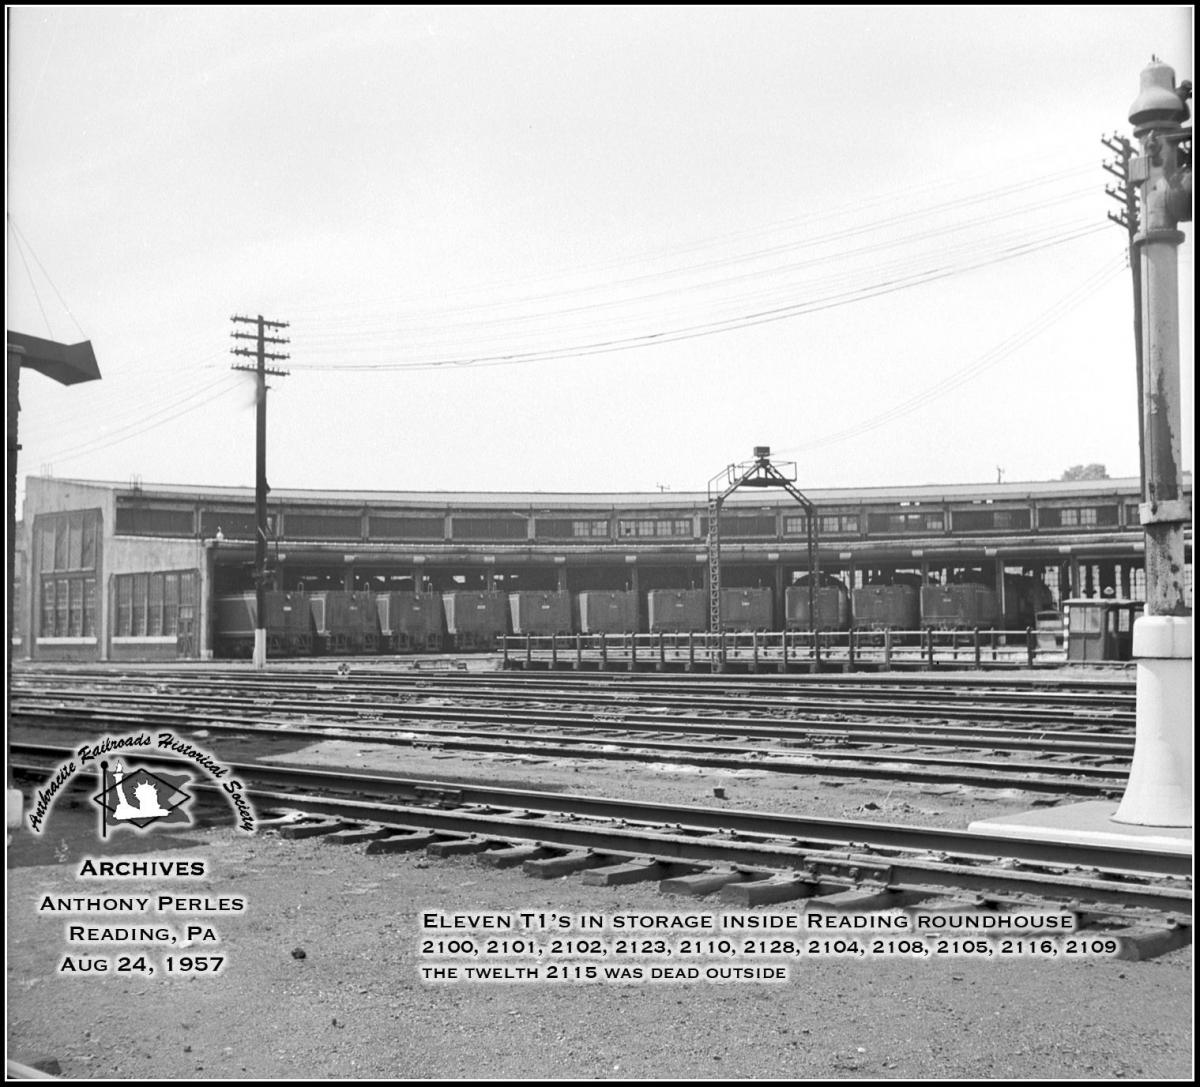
(355, 1004)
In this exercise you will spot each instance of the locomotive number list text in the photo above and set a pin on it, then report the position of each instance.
(550, 946)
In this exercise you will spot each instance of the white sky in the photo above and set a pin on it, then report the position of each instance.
(914, 196)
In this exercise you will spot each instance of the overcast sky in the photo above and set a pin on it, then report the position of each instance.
(581, 249)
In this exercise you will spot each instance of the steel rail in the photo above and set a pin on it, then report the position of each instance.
(818, 854)
(846, 870)
(389, 681)
(786, 729)
(715, 734)
(903, 698)
(776, 727)
(390, 669)
(1068, 779)
(798, 829)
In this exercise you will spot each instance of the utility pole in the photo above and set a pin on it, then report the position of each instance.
(1159, 793)
(261, 370)
(1126, 194)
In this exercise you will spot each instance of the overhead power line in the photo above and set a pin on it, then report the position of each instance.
(410, 326)
(19, 234)
(745, 320)
(147, 423)
(1045, 320)
(404, 308)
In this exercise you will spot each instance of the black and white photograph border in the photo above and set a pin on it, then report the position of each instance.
(713, 599)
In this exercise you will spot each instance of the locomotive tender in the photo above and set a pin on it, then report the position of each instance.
(341, 623)
(127, 571)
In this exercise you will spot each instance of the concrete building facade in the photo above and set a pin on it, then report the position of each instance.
(130, 572)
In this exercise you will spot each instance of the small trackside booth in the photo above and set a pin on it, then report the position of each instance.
(1101, 630)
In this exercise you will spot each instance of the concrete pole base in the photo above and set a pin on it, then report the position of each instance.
(260, 649)
(1159, 793)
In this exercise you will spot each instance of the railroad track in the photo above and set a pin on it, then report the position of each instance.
(392, 671)
(1067, 766)
(1112, 709)
(1070, 778)
(419, 668)
(757, 857)
(192, 702)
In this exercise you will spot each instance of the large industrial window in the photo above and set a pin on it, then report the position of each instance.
(141, 520)
(569, 528)
(65, 546)
(905, 522)
(154, 607)
(75, 610)
(490, 528)
(62, 596)
(74, 544)
(170, 619)
(90, 527)
(89, 607)
(322, 526)
(655, 527)
(830, 524)
(62, 599)
(1079, 517)
(68, 608)
(148, 605)
(837, 524)
(49, 591)
(139, 605)
(67, 541)
(747, 525)
(45, 551)
(743, 525)
(408, 528)
(124, 606)
(1018, 519)
(49, 609)
(233, 524)
(18, 591)
(987, 520)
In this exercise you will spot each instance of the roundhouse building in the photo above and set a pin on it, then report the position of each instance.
(117, 571)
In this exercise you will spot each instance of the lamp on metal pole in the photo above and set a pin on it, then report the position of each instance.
(68, 364)
(1159, 792)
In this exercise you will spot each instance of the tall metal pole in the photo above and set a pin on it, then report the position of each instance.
(1160, 781)
(260, 371)
(1164, 172)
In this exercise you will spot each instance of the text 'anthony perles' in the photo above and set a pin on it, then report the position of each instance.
(136, 904)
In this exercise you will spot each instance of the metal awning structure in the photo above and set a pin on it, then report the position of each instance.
(68, 364)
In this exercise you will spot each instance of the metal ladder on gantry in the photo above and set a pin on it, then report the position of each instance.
(760, 472)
